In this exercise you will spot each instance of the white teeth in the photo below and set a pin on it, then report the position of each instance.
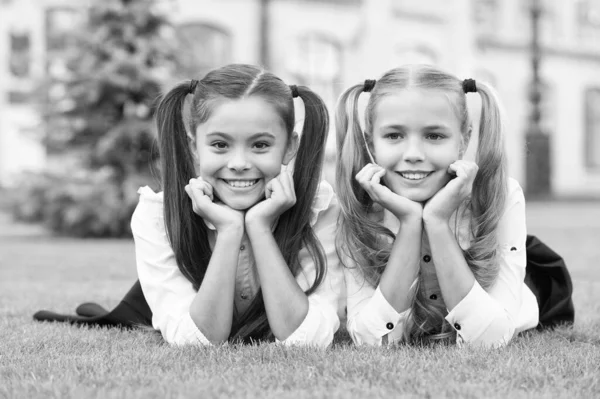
(241, 183)
(414, 175)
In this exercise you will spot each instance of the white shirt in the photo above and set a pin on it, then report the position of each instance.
(169, 293)
(487, 318)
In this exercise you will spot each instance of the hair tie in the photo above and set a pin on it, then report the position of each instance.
(294, 90)
(193, 84)
(469, 86)
(369, 84)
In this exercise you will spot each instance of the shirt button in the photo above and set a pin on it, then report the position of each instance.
(242, 247)
(390, 326)
(513, 249)
(457, 326)
(433, 296)
(426, 258)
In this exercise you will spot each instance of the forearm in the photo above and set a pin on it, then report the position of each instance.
(453, 272)
(285, 302)
(212, 308)
(403, 265)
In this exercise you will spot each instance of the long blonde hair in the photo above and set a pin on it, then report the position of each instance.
(366, 243)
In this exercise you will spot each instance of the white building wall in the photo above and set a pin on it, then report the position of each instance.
(20, 126)
(374, 36)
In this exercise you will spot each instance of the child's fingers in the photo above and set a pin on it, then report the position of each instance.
(376, 178)
(366, 174)
(193, 197)
(288, 184)
(202, 186)
(378, 192)
(464, 169)
(207, 189)
(269, 188)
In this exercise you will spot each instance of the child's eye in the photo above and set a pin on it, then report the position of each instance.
(393, 136)
(261, 145)
(220, 145)
(434, 136)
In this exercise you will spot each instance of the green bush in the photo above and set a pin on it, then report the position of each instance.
(90, 204)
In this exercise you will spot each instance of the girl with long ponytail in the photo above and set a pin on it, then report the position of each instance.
(228, 251)
(240, 244)
(434, 246)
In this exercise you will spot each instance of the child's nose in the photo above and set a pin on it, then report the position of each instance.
(238, 161)
(413, 151)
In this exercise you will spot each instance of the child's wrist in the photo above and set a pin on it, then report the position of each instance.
(435, 221)
(258, 226)
(231, 230)
(411, 220)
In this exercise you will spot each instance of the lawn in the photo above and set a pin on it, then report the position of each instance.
(56, 360)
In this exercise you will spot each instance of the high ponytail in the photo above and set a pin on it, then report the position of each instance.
(489, 190)
(293, 230)
(186, 231)
(307, 176)
(360, 241)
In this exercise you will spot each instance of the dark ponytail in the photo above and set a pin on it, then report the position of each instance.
(186, 231)
(293, 230)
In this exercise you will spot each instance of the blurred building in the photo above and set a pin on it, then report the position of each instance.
(332, 44)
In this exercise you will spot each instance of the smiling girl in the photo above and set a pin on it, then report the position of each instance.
(434, 245)
(227, 251)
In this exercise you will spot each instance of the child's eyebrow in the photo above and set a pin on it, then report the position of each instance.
(436, 127)
(220, 134)
(261, 135)
(253, 136)
(395, 127)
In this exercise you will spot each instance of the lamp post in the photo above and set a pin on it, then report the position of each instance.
(538, 166)
(263, 25)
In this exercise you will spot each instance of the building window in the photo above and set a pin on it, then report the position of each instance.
(204, 47)
(588, 20)
(485, 16)
(592, 128)
(20, 54)
(62, 25)
(315, 62)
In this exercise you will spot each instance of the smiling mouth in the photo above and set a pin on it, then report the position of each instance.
(241, 183)
(414, 175)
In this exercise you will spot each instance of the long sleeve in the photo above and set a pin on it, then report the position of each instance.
(322, 320)
(491, 318)
(370, 315)
(168, 292)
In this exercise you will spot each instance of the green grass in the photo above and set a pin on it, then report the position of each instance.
(41, 360)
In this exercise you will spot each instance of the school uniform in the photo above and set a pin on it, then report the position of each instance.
(487, 317)
(163, 295)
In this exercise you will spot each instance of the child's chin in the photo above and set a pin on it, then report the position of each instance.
(416, 196)
(241, 204)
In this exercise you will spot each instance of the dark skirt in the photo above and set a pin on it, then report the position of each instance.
(549, 280)
(546, 275)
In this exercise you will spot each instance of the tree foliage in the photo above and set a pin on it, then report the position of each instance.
(99, 112)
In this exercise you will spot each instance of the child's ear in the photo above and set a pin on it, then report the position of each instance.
(292, 148)
(193, 151)
(464, 142)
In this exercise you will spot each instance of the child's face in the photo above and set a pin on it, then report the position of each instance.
(240, 148)
(416, 136)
